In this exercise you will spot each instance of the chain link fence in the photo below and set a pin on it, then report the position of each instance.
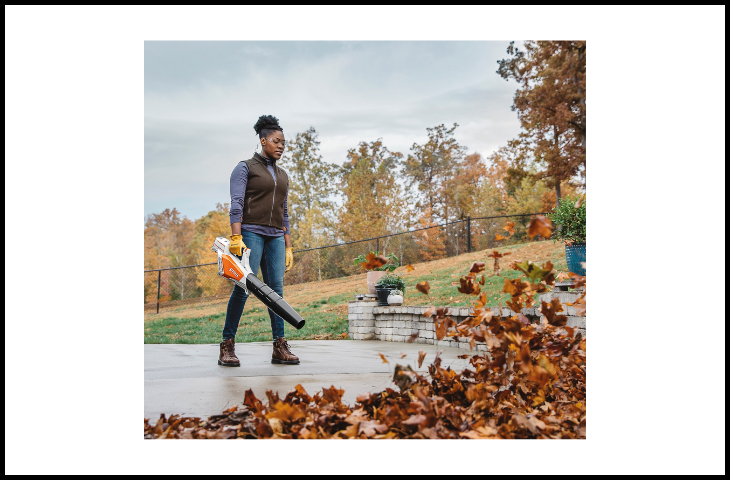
(177, 286)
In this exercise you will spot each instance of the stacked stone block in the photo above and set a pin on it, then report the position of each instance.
(362, 320)
(368, 321)
(574, 320)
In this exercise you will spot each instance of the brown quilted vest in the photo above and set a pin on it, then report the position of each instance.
(264, 201)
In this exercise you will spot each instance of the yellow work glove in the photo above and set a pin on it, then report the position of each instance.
(236, 247)
(289, 259)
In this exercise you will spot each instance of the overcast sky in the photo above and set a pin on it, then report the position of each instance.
(203, 98)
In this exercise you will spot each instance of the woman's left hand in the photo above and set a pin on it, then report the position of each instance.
(289, 259)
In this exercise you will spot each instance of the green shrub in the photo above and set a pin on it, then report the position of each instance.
(569, 222)
(392, 281)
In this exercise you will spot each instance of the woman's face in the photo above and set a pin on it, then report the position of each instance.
(273, 145)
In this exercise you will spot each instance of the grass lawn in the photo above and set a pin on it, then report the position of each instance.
(324, 304)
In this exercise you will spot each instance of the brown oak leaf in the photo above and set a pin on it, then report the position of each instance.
(540, 226)
(372, 262)
(510, 227)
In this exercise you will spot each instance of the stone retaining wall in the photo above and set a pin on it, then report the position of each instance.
(368, 321)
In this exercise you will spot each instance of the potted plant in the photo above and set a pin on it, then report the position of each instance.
(569, 219)
(388, 282)
(395, 298)
(376, 265)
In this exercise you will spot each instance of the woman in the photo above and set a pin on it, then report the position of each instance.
(260, 221)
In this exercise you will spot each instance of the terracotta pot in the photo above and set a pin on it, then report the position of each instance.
(373, 278)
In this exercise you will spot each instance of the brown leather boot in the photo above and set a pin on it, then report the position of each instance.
(282, 354)
(227, 356)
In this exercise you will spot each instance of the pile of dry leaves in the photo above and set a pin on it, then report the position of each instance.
(530, 384)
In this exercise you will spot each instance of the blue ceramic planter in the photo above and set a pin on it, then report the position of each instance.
(574, 254)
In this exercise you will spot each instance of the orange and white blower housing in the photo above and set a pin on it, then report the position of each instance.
(239, 272)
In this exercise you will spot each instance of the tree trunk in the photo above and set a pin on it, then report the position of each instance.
(557, 193)
(182, 284)
(319, 265)
(457, 240)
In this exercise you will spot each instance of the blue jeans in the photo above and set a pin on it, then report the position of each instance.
(268, 253)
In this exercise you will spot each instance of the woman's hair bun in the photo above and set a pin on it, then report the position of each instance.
(266, 122)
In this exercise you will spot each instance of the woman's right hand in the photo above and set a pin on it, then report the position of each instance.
(236, 247)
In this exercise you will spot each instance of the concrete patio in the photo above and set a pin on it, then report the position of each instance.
(186, 379)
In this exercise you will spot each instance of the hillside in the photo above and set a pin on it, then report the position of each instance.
(324, 304)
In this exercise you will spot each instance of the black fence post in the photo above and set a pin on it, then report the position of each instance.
(377, 244)
(468, 234)
(159, 274)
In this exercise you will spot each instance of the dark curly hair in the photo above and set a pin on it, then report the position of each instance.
(266, 125)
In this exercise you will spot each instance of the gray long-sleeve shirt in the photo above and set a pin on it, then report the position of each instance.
(239, 180)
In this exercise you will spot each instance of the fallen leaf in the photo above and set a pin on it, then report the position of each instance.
(476, 267)
(421, 356)
(415, 420)
(332, 394)
(409, 268)
(510, 227)
(372, 262)
(440, 329)
(550, 311)
(562, 276)
(276, 425)
(468, 285)
(532, 423)
(286, 412)
(540, 225)
(423, 287)
(499, 238)
(363, 398)
(370, 428)
(357, 416)
(385, 360)
(578, 280)
(496, 256)
(536, 273)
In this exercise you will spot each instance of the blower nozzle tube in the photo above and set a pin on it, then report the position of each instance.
(273, 301)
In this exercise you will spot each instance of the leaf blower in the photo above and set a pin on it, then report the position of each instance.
(239, 272)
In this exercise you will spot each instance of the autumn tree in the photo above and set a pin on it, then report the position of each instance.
(167, 236)
(165, 233)
(374, 203)
(551, 105)
(215, 223)
(312, 232)
(461, 188)
(430, 166)
(312, 182)
(431, 241)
